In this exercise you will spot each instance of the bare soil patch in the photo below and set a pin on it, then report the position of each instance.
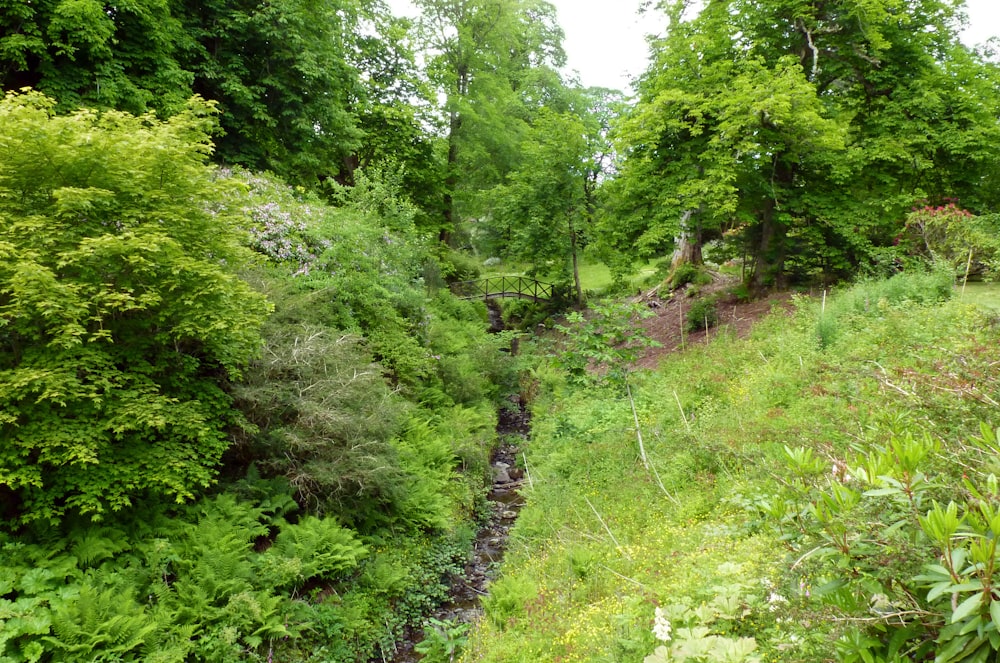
(671, 311)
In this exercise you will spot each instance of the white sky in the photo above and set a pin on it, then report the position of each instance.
(605, 39)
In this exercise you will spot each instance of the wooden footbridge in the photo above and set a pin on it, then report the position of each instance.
(497, 287)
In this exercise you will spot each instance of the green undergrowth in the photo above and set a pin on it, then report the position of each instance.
(715, 549)
(356, 436)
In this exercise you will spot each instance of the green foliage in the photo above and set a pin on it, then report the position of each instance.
(494, 62)
(603, 345)
(311, 549)
(688, 632)
(443, 640)
(686, 273)
(541, 212)
(876, 297)
(782, 501)
(508, 599)
(703, 314)
(299, 83)
(802, 134)
(119, 308)
(926, 571)
(953, 235)
(97, 625)
(127, 57)
(185, 588)
(430, 451)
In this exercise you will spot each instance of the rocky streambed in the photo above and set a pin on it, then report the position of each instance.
(505, 501)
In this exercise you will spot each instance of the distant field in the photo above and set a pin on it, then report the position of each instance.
(984, 294)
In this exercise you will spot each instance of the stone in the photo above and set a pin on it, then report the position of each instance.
(500, 474)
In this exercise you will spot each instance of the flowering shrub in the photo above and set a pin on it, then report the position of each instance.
(282, 238)
(280, 221)
(954, 235)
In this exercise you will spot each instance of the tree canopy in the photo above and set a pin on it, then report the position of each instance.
(803, 132)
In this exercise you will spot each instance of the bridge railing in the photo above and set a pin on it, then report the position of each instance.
(503, 286)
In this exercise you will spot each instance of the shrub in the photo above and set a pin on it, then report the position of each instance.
(686, 273)
(703, 314)
(120, 308)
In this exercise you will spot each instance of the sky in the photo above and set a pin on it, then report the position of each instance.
(605, 39)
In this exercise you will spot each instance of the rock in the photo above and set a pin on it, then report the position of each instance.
(500, 474)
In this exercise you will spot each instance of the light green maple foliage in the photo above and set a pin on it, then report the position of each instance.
(120, 310)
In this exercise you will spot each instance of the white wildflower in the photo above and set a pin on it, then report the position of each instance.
(774, 599)
(661, 626)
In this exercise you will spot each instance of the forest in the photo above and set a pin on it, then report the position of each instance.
(248, 413)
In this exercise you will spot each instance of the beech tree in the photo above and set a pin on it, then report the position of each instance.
(802, 132)
(494, 61)
(120, 310)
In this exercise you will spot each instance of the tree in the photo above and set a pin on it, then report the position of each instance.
(282, 76)
(88, 53)
(397, 115)
(120, 311)
(493, 60)
(543, 210)
(288, 76)
(802, 131)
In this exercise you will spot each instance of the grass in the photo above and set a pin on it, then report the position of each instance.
(986, 295)
(604, 542)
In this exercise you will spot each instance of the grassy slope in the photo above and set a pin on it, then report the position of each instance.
(601, 544)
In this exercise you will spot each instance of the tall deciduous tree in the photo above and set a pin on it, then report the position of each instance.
(493, 62)
(542, 213)
(804, 130)
(300, 83)
(120, 312)
(281, 74)
(89, 53)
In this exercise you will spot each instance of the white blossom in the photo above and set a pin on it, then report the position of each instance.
(661, 626)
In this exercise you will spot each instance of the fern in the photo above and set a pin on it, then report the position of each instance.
(98, 625)
(313, 548)
(96, 544)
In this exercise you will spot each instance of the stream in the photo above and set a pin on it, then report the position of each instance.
(467, 590)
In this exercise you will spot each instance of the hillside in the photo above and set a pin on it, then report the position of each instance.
(787, 510)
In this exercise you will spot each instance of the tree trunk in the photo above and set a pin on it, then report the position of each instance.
(451, 174)
(451, 177)
(687, 243)
(769, 254)
(771, 250)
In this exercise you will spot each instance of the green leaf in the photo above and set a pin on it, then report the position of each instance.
(967, 607)
(995, 614)
(939, 589)
(955, 647)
